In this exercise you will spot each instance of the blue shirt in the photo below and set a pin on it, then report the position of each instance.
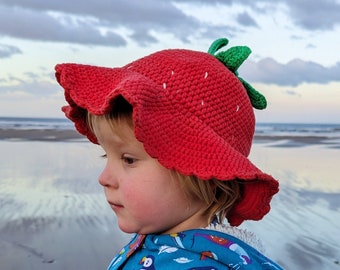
(199, 249)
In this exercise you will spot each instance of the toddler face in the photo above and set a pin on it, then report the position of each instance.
(145, 196)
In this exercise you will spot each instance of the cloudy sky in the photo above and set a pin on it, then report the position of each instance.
(295, 61)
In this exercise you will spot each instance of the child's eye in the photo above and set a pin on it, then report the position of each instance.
(103, 156)
(128, 160)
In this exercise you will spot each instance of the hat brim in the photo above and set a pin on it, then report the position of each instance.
(167, 128)
(176, 148)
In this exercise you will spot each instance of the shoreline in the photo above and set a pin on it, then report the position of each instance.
(60, 135)
(40, 134)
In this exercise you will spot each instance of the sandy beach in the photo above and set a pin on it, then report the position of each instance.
(54, 214)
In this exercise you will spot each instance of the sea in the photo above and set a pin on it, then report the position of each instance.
(329, 130)
(35, 123)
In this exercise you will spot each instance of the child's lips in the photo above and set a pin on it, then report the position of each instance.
(115, 205)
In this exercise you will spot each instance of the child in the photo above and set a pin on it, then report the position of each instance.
(176, 127)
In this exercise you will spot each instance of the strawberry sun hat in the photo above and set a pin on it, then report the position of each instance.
(191, 111)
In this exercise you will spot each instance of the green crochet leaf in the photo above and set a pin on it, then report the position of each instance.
(233, 59)
(217, 44)
(257, 100)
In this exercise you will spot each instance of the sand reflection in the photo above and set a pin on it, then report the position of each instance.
(53, 212)
(52, 209)
(302, 230)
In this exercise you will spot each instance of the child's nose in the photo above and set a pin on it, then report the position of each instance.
(107, 178)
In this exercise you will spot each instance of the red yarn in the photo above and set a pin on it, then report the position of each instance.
(189, 111)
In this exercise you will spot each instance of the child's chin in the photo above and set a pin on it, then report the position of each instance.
(130, 230)
(127, 228)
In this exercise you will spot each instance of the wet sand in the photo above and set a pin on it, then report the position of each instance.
(54, 214)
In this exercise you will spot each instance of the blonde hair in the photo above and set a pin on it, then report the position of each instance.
(218, 196)
(122, 113)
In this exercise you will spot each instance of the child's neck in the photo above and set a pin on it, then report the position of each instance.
(197, 220)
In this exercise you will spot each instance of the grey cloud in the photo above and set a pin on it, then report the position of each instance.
(246, 20)
(7, 51)
(35, 87)
(315, 15)
(291, 74)
(292, 93)
(210, 33)
(34, 19)
(143, 38)
(310, 46)
(41, 26)
(309, 15)
(140, 17)
(15, 79)
(32, 75)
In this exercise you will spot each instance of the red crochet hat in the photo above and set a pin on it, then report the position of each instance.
(191, 111)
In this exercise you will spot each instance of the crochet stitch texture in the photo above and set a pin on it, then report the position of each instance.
(190, 112)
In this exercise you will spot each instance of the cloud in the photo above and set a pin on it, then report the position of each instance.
(33, 25)
(246, 20)
(293, 73)
(315, 15)
(292, 93)
(19, 103)
(42, 20)
(101, 22)
(308, 15)
(266, 71)
(7, 51)
(41, 88)
(117, 23)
